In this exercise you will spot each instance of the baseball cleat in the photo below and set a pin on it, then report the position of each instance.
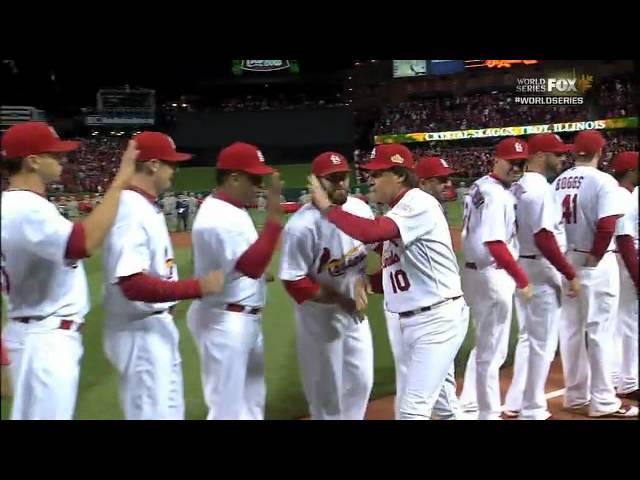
(633, 395)
(511, 413)
(625, 411)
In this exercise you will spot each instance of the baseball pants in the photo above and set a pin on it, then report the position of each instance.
(513, 397)
(446, 406)
(490, 295)
(626, 334)
(231, 351)
(430, 341)
(46, 385)
(147, 357)
(13, 337)
(587, 366)
(336, 362)
(540, 317)
(183, 220)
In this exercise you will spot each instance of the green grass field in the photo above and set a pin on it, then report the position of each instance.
(98, 397)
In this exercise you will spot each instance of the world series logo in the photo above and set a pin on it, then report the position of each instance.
(553, 89)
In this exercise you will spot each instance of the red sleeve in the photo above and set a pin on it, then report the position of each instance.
(503, 258)
(604, 233)
(364, 229)
(375, 279)
(629, 254)
(145, 288)
(254, 261)
(77, 243)
(4, 360)
(548, 246)
(301, 290)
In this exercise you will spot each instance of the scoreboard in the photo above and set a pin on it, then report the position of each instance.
(418, 68)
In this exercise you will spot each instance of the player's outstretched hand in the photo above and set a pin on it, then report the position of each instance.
(525, 293)
(274, 210)
(360, 291)
(212, 282)
(573, 287)
(318, 194)
(127, 165)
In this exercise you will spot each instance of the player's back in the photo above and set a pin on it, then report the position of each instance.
(489, 215)
(221, 233)
(39, 280)
(585, 195)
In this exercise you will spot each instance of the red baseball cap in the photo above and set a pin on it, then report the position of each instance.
(588, 142)
(429, 167)
(34, 138)
(548, 143)
(512, 149)
(329, 162)
(390, 155)
(243, 157)
(624, 161)
(156, 145)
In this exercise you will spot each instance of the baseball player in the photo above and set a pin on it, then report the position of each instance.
(542, 242)
(590, 208)
(419, 275)
(227, 327)
(625, 170)
(42, 270)
(492, 273)
(142, 289)
(182, 212)
(323, 270)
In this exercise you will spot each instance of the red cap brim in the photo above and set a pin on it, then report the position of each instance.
(176, 157)
(62, 146)
(514, 158)
(376, 166)
(442, 171)
(336, 169)
(258, 170)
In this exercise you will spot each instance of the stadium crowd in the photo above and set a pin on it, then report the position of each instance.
(611, 99)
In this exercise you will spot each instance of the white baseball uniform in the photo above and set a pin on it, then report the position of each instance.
(48, 295)
(141, 339)
(230, 343)
(421, 284)
(489, 215)
(537, 209)
(586, 195)
(335, 349)
(626, 330)
(446, 406)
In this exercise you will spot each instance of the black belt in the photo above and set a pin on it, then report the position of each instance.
(65, 324)
(410, 313)
(530, 257)
(471, 265)
(583, 251)
(234, 307)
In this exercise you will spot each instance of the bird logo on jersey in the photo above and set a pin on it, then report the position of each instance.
(337, 267)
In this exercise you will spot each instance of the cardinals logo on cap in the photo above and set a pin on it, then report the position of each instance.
(173, 144)
(518, 146)
(397, 158)
(260, 156)
(55, 134)
(444, 164)
(335, 160)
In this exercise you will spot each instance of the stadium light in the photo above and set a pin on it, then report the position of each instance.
(174, 104)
